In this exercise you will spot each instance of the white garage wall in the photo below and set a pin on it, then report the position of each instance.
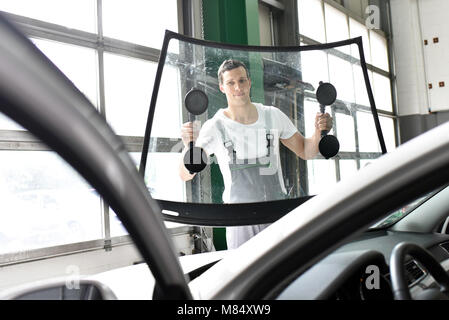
(408, 57)
(434, 20)
(417, 64)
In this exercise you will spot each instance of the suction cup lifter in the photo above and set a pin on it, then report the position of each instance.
(326, 95)
(196, 103)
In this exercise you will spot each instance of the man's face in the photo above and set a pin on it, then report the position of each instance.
(236, 86)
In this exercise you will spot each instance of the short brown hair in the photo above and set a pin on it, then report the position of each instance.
(230, 64)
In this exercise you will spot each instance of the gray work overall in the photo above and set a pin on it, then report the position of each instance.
(251, 182)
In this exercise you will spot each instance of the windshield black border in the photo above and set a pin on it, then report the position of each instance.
(218, 214)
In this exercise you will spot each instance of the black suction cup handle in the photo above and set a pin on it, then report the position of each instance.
(196, 102)
(323, 110)
(195, 159)
(326, 94)
(324, 133)
(189, 158)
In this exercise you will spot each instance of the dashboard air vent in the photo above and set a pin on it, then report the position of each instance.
(414, 272)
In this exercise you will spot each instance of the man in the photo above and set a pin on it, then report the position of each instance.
(245, 140)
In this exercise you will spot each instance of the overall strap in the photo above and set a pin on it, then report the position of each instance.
(227, 142)
(268, 135)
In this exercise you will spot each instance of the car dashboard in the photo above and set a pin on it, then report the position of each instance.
(359, 270)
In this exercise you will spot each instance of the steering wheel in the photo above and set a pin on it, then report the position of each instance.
(400, 287)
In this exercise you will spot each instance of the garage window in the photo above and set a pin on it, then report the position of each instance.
(354, 124)
(109, 50)
(44, 202)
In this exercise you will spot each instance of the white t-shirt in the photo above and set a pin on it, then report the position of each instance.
(249, 140)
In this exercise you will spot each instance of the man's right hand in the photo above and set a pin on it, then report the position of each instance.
(189, 133)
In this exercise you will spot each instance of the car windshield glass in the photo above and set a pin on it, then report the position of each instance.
(399, 214)
(248, 123)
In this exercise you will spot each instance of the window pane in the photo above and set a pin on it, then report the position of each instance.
(336, 26)
(79, 64)
(76, 14)
(314, 67)
(347, 168)
(360, 93)
(345, 130)
(44, 202)
(356, 29)
(169, 186)
(311, 20)
(321, 175)
(7, 124)
(140, 21)
(368, 140)
(382, 92)
(379, 51)
(117, 228)
(161, 178)
(340, 73)
(387, 125)
(128, 87)
(310, 110)
(167, 119)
